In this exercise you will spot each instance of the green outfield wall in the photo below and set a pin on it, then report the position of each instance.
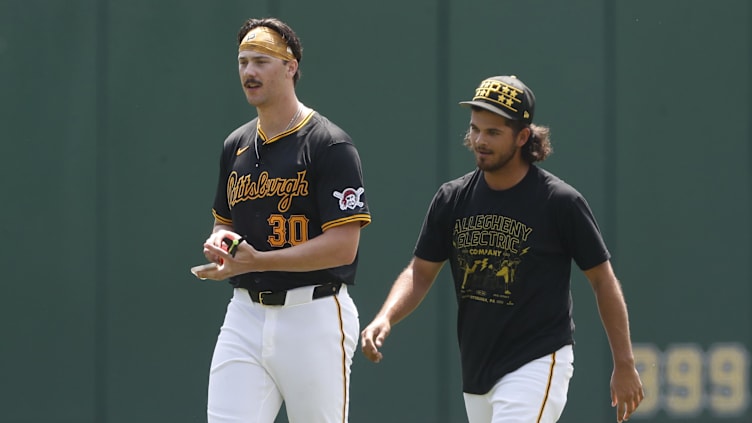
(112, 116)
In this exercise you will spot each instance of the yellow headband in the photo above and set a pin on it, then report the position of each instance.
(267, 41)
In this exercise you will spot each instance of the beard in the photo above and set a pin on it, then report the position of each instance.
(493, 163)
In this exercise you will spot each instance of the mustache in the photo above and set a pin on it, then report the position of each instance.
(251, 81)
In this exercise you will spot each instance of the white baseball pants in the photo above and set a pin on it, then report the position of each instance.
(299, 354)
(534, 393)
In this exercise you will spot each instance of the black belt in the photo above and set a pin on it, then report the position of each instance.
(277, 298)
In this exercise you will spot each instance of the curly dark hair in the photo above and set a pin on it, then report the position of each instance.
(282, 29)
(538, 146)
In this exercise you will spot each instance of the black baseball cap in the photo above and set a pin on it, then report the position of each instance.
(506, 96)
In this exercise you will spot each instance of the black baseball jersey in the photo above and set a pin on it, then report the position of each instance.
(510, 253)
(283, 191)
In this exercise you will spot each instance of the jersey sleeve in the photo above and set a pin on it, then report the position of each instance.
(221, 207)
(581, 234)
(434, 240)
(341, 194)
(221, 210)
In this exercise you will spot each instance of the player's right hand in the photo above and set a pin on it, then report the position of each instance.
(372, 338)
(216, 240)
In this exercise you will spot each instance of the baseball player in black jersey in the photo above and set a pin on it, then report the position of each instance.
(510, 231)
(288, 211)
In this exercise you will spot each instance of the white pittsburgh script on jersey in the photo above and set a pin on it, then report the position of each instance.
(349, 198)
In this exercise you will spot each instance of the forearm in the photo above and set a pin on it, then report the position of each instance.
(614, 315)
(337, 246)
(407, 293)
(626, 387)
(322, 252)
(218, 227)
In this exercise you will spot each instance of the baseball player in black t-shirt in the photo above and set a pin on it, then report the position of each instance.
(510, 231)
(288, 211)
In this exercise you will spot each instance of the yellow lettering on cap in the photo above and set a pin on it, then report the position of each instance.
(500, 93)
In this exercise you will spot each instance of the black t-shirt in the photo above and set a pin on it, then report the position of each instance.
(286, 190)
(510, 253)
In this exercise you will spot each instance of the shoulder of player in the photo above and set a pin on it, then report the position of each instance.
(245, 130)
(240, 136)
(326, 132)
(556, 188)
(454, 187)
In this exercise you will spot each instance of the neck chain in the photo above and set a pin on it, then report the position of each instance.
(294, 118)
(287, 128)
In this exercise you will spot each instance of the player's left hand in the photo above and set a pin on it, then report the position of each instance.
(626, 391)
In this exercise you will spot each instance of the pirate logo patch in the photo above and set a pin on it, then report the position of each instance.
(349, 198)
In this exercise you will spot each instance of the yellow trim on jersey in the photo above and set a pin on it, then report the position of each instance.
(221, 220)
(286, 133)
(548, 386)
(365, 219)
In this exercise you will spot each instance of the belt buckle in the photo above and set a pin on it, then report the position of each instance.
(261, 296)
